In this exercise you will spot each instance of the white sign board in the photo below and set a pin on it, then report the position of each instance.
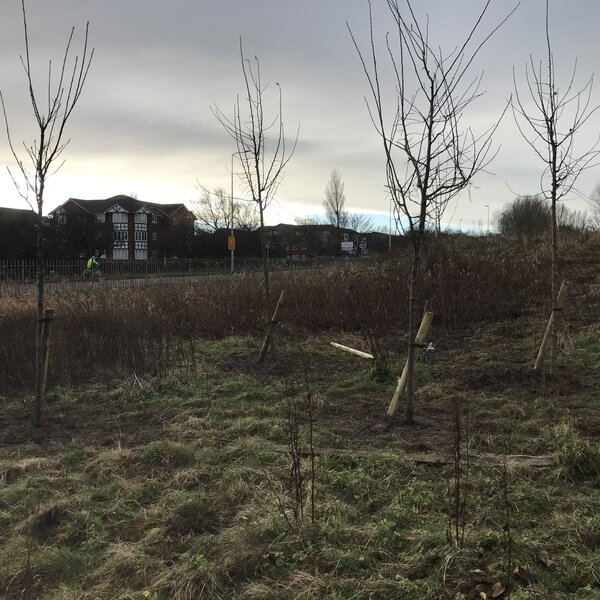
(347, 246)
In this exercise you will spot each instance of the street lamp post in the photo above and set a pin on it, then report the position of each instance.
(232, 250)
(390, 235)
(488, 218)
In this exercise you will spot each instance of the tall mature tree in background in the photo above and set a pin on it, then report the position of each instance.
(307, 220)
(261, 145)
(335, 206)
(532, 215)
(549, 125)
(213, 211)
(430, 155)
(335, 201)
(594, 203)
(524, 216)
(245, 216)
(360, 222)
(52, 110)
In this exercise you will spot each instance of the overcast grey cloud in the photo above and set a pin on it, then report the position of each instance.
(144, 122)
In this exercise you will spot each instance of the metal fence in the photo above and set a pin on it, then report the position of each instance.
(25, 271)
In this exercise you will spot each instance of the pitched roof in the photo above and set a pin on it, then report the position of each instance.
(16, 213)
(127, 203)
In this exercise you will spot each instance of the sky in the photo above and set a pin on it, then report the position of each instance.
(144, 123)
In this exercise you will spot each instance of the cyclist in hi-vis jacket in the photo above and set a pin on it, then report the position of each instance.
(92, 264)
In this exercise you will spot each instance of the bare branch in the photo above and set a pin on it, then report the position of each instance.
(61, 98)
(430, 155)
(261, 144)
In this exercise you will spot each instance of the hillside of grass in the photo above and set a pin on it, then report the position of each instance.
(161, 468)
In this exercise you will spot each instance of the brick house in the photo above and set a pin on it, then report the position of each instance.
(18, 230)
(138, 228)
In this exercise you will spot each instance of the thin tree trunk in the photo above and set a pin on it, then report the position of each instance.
(264, 259)
(554, 278)
(270, 337)
(412, 319)
(419, 339)
(39, 351)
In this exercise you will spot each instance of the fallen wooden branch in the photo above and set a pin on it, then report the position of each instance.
(352, 350)
(431, 458)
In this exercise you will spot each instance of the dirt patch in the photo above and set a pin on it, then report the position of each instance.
(73, 423)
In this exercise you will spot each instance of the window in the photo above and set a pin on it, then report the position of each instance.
(154, 219)
(141, 218)
(154, 237)
(120, 253)
(100, 218)
(141, 250)
(141, 232)
(120, 217)
(120, 232)
(120, 241)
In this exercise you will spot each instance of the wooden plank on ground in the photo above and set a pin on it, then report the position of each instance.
(432, 458)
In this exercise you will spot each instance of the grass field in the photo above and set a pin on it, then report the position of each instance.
(160, 470)
(171, 487)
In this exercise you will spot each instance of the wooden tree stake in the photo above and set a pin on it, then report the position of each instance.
(420, 338)
(555, 317)
(269, 338)
(352, 350)
(45, 353)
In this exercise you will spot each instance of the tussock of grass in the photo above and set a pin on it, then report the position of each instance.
(195, 514)
(127, 566)
(167, 454)
(579, 457)
(58, 565)
(110, 464)
(13, 470)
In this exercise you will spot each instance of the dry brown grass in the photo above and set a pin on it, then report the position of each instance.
(108, 332)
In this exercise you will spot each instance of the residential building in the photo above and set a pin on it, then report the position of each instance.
(18, 231)
(138, 229)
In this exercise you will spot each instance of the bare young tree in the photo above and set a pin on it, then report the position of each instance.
(52, 110)
(430, 155)
(550, 125)
(261, 146)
